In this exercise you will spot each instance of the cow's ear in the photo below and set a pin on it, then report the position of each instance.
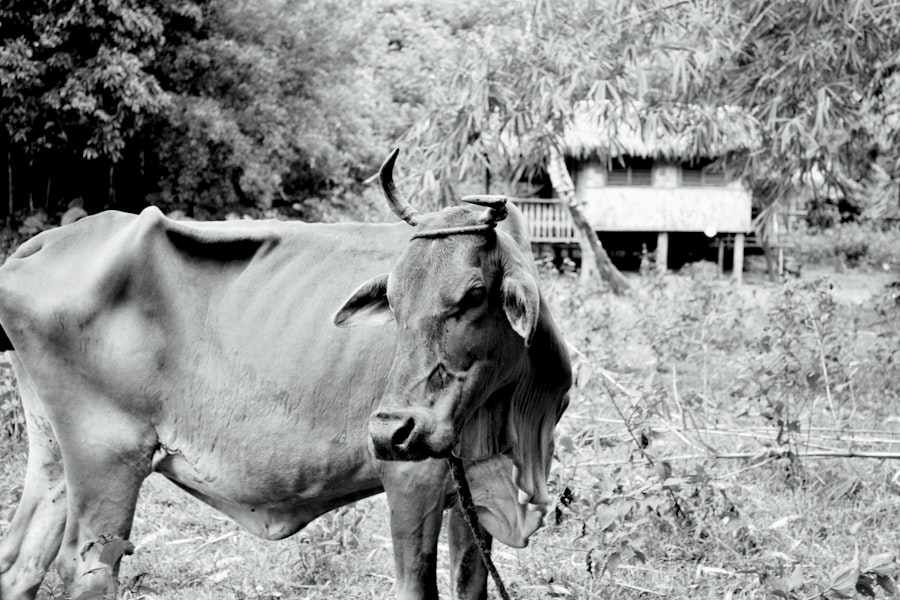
(366, 306)
(521, 301)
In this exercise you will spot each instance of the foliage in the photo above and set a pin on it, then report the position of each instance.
(12, 418)
(699, 367)
(74, 75)
(819, 77)
(213, 105)
(850, 245)
(200, 104)
(670, 476)
(272, 101)
(799, 358)
(518, 80)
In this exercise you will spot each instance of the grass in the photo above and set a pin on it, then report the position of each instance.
(669, 382)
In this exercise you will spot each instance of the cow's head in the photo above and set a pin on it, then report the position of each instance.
(466, 304)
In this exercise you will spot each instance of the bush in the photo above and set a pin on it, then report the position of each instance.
(12, 418)
(851, 245)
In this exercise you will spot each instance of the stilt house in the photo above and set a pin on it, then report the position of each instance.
(655, 176)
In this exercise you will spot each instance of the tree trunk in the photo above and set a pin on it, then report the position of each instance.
(10, 190)
(111, 196)
(591, 249)
(770, 262)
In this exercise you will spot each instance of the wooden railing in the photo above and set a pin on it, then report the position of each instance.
(548, 220)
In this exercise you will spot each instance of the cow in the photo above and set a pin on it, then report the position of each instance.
(208, 353)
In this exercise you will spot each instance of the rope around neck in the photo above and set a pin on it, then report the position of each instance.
(439, 233)
(468, 510)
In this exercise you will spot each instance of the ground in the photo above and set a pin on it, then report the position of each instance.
(704, 455)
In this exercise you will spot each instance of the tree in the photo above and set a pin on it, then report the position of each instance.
(205, 105)
(815, 74)
(75, 87)
(520, 80)
(272, 100)
(819, 76)
(74, 75)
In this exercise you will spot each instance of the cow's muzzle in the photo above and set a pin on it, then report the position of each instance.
(409, 434)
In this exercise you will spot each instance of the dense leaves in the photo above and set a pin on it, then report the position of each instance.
(199, 105)
(209, 105)
(73, 75)
(820, 78)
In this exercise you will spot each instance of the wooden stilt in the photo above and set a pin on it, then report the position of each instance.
(662, 251)
(720, 243)
(737, 269)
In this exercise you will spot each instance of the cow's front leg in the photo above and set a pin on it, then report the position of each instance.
(416, 494)
(468, 573)
(106, 460)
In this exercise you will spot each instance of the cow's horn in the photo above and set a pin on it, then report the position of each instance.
(496, 206)
(399, 205)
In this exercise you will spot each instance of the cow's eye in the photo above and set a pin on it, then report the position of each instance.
(474, 297)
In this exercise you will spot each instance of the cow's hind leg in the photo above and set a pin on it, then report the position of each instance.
(32, 540)
(107, 454)
(468, 574)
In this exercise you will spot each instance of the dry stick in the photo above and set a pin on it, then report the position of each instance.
(746, 455)
(468, 511)
(754, 427)
(747, 432)
(677, 399)
(685, 439)
(822, 363)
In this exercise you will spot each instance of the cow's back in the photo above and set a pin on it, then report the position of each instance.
(218, 336)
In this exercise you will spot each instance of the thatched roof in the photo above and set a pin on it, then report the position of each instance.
(678, 132)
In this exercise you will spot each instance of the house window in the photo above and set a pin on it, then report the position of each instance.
(701, 173)
(630, 171)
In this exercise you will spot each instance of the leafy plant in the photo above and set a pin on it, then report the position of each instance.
(851, 245)
(12, 418)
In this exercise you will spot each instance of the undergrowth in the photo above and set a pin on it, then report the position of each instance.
(850, 245)
(721, 442)
(12, 419)
(712, 402)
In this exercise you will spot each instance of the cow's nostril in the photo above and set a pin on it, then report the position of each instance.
(403, 433)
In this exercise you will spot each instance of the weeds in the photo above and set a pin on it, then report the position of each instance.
(701, 457)
(12, 419)
(850, 245)
(772, 382)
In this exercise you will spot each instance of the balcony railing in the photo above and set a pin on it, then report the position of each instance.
(548, 220)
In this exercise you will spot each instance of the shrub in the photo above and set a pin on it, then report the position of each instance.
(12, 418)
(851, 245)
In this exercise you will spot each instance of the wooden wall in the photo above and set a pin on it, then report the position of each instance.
(666, 205)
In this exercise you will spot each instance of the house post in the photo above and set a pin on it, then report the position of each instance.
(720, 259)
(737, 269)
(662, 251)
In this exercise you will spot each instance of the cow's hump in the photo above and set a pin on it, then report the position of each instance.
(221, 240)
